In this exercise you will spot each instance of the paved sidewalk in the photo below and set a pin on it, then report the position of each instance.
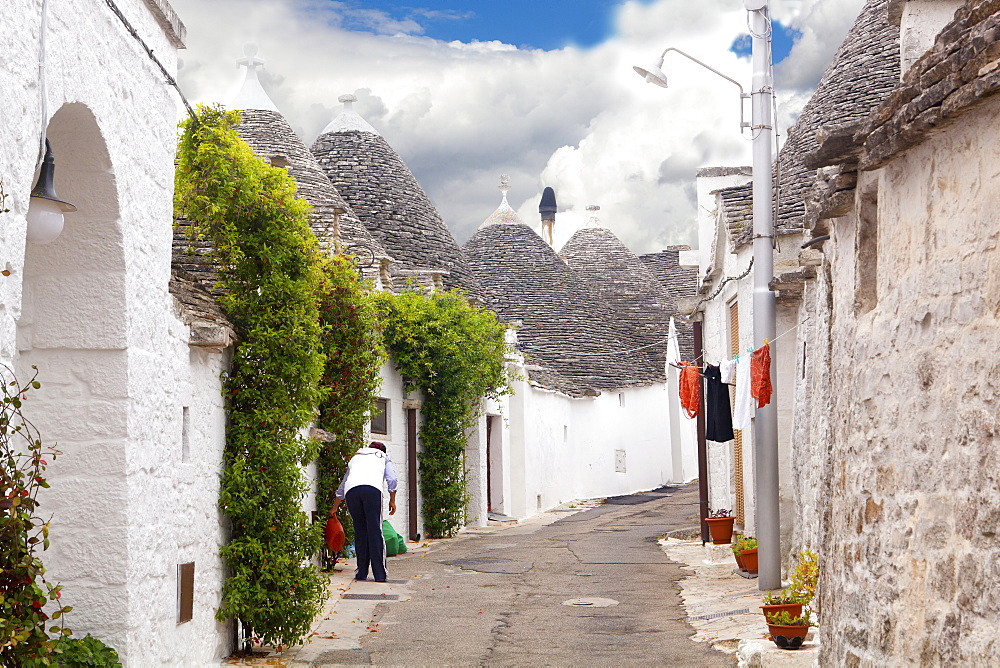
(724, 608)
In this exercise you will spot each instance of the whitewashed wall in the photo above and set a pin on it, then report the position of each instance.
(554, 448)
(93, 312)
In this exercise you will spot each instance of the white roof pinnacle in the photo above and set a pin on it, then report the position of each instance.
(252, 95)
(349, 120)
(593, 222)
(504, 215)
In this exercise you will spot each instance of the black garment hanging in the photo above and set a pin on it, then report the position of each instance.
(718, 415)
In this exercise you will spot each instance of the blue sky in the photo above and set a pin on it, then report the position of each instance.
(542, 24)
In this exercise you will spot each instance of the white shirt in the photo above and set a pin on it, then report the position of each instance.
(370, 466)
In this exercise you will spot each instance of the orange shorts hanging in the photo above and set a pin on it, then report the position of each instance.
(690, 389)
(760, 375)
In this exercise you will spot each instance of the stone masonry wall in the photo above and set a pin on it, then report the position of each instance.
(911, 563)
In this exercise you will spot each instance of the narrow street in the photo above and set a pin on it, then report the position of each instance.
(590, 588)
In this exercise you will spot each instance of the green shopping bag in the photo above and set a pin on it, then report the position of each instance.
(394, 543)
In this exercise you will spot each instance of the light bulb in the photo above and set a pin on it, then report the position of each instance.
(45, 221)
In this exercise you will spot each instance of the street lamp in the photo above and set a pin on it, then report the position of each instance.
(45, 210)
(654, 74)
(766, 422)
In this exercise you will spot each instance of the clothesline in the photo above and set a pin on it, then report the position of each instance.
(749, 352)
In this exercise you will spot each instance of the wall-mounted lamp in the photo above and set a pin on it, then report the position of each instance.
(45, 212)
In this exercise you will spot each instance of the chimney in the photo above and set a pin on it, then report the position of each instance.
(547, 209)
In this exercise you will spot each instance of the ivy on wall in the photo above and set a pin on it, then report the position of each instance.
(270, 271)
(354, 355)
(455, 353)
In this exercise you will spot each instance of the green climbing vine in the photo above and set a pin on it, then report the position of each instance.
(270, 271)
(354, 355)
(455, 353)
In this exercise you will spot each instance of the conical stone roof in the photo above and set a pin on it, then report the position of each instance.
(272, 138)
(862, 74)
(623, 281)
(389, 201)
(571, 336)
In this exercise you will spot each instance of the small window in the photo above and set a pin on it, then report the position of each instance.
(186, 434)
(185, 592)
(380, 419)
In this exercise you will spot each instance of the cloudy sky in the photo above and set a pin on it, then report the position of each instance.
(542, 90)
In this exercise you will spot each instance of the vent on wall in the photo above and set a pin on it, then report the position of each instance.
(185, 592)
(186, 434)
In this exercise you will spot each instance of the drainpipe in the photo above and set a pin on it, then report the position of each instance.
(702, 444)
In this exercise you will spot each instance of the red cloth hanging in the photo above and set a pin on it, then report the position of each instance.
(760, 375)
(690, 389)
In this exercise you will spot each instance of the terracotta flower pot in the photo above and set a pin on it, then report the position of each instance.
(739, 561)
(749, 560)
(788, 637)
(793, 609)
(721, 529)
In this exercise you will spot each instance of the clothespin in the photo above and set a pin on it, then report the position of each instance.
(766, 341)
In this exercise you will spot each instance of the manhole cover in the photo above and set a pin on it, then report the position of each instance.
(370, 597)
(592, 601)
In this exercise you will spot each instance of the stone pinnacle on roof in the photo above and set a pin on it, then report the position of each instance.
(504, 215)
(349, 120)
(593, 221)
(252, 95)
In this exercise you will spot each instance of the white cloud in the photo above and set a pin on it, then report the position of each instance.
(579, 120)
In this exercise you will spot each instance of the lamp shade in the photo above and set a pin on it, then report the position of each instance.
(653, 74)
(45, 211)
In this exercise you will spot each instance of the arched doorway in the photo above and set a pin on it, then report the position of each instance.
(73, 328)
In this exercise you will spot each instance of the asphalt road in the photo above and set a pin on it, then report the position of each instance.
(504, 596)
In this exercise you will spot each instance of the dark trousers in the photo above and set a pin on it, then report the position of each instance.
(364, 502)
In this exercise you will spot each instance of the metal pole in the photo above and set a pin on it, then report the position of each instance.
(766, 425)
(702, 444)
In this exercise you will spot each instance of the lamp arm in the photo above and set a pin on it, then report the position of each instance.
(743, 95)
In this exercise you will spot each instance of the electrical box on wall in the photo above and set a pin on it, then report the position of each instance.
(619, 461)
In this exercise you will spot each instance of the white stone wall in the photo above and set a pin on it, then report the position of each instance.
(910, 552)
(93, 312)
(556, 448)
(717, 257)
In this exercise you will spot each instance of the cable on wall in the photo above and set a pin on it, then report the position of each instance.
(149, 52)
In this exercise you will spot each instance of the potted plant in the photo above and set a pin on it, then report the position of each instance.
(720, 525)
(789, 632)
(782, 601)
(748, 554)
(799, 593)
(745, 551)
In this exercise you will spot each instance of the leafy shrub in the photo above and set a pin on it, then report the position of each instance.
(86, 651)
(271, 275)
(24, 591)
(354, 355)
(455, 353)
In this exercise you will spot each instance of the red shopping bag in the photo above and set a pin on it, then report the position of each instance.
(334, 533)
